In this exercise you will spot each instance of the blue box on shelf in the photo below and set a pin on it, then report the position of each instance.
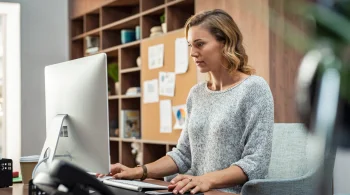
(137, 33)
(127, 36)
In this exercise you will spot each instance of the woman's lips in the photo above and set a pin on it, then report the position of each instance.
(199, 63)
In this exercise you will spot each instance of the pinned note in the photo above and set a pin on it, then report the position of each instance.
(165, 116)
(167, 83)
(181, 55)
(156, 56)
(150, 91)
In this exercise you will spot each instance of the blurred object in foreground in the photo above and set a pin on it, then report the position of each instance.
(323, 93)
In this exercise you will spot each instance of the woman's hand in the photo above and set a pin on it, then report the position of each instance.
(120, 171)
(183, 183)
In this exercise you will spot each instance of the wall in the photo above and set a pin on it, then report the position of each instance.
(44, 41)
(11, 82)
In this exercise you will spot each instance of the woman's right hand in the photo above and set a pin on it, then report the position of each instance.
(120, 171)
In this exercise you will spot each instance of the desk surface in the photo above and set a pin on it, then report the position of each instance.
(22, 189)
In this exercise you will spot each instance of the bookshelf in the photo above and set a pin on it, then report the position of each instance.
(106, 22)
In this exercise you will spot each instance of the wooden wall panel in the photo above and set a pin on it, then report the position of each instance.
(253, 23)
(80, 7)
(284, 62)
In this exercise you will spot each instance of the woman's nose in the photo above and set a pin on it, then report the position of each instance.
(194, 53)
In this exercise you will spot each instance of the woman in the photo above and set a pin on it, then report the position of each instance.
(228, 133)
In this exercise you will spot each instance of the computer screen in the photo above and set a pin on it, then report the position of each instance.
(77, 89)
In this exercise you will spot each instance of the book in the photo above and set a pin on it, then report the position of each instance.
(130, 124)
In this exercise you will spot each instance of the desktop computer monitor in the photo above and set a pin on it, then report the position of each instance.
(77, 128)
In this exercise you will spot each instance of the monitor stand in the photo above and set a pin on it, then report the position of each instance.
(48, 152)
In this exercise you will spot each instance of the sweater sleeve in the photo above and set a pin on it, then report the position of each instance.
(257, 136)
(182, 153)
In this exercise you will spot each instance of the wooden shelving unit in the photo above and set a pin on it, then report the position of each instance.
(106, 22)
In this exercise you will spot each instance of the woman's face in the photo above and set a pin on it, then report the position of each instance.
(206, 51)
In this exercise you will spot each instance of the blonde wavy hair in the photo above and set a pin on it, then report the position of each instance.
(221, 25)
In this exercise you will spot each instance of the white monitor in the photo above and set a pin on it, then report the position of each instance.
(76, 95)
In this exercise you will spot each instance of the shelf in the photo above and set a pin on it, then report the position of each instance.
(155, 11)
(130, 140)
(153, 152)
(113, 110)
(92, 20)
(130, 96)
(119, 3)
(77, 26)
(157, 142)
(114, 49)
(178, 12)
(77, 49)
(181, 3)
(111, 35)
(149, 4)
(130, 103)
(129, 57)
(119, 10)
(113, 97)
(130, 70)
(131, 44)
(114, 139)
(114, 150)
(129, 22)
(128, 159)
(130, 79)
(150, 19)
(106, 22)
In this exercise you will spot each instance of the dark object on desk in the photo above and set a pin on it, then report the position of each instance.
(76, 180)
(34, 190)
(5, 172)
(166, 192)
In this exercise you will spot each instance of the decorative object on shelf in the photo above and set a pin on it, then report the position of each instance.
(137, 33)
(162, 21)
(138, 61)
(127, 36)
(92, 44)
(133, 91)
(113, 73)
(113, 128)
(137, 152)
(156, 31)
(130, 124)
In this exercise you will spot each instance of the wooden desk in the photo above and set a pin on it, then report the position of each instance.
(16, 189)
(22, 189)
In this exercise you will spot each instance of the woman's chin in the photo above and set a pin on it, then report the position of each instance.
(202, 70)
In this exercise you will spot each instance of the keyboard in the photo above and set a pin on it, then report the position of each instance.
(131, 184)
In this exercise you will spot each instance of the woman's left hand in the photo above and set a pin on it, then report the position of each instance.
(183, 183)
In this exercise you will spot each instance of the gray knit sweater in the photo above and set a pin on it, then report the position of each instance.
(226, 128)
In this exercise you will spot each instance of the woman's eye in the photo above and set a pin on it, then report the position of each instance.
(200, 44)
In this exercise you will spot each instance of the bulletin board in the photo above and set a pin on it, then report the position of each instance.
(150, 118)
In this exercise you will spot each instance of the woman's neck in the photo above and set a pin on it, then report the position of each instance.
(223, 80)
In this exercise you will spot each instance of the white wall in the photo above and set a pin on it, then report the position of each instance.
(44, 41)
(12, 85)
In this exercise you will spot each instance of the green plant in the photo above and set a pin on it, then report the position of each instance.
(112, 70)
(162, 18)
